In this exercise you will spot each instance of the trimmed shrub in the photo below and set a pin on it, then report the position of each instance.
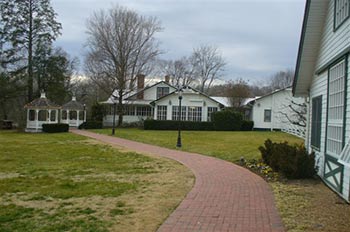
(247, 125)
(227, 120)
(91, 125)
(55, 128)
(97, 112)
(151, 124)
(293, 161)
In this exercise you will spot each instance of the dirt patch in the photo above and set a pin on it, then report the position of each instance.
(309, 205)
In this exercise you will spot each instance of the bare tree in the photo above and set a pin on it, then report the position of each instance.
(208, 65)
(238, 91)
(294, 112)
(121, 45)
(282, 79)
(180, 71)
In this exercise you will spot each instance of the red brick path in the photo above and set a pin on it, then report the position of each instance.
(225, 197)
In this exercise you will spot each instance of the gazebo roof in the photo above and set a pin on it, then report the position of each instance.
(73, 105)
(42, 103)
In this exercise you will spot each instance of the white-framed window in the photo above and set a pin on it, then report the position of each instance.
(211, 110)
(267, 115)
(161, 112)
(336, 109)
(129, 110)
(341, 12)
(175, 113)
(143, 111)
(162, 91)
(194, 113)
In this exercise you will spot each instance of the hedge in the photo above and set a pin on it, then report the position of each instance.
(293, 161)
(227, 120)
(55, 128)
(91, 125)
(247, 125)
(151, 124)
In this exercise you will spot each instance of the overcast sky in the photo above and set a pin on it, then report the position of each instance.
(256, 37)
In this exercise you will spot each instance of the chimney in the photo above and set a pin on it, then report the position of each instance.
(167, 79)
(140, 85)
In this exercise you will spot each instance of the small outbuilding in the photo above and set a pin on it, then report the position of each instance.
(41, 111)
(73, 113)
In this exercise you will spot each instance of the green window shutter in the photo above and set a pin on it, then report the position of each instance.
(316, 122)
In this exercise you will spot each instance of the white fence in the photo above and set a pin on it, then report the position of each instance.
(295, 130)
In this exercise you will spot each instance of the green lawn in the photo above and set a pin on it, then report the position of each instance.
(225, 145)
(65, 182)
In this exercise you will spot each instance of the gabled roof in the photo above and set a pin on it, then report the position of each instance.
(310, 39)
(189, 88)
(42, 103)
(148, 87)
(274, 92)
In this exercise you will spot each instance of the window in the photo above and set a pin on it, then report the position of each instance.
(267, 115)
(81, 115)
(211, 110)
(316, 122)
(175, 114)
(335, 111)
(53, 116)
(143, 111)
(31, 115)
(73, 115)
(161, 112)
(194, 113)
(129, 110)
(42, 115)
(341, 12)
(64, 114)
(162, 91)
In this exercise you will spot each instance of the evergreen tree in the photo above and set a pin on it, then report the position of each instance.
(26, 26)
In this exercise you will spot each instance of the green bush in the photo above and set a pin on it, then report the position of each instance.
(97, 112)
(55, 128)
(247, 125)
(91, 125)
(227, 120)
(151, 124)
(294, 162)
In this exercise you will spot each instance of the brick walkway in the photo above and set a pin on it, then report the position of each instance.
(225, 197)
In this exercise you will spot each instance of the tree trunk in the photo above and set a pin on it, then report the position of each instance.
(120, 109)
(30, 53)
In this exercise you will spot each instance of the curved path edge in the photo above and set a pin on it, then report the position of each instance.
(225, 196)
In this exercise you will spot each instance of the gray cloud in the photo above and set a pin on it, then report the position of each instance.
(256, 37)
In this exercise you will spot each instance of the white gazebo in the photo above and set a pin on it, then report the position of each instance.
(41, 111)
(73, 113)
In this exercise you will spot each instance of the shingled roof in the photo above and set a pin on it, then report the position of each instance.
(73, 105)
(42, 103)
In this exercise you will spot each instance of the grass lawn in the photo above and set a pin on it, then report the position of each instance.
(225, 145)
(305, 205)
(65, 182)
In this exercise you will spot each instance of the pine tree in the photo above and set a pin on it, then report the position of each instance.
(26, 26)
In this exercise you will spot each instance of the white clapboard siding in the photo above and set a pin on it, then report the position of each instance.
(332, 43)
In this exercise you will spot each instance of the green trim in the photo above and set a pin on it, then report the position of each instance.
(301, 43)
(316, 145)
(345, 94)
(340, 169)
(335, 28)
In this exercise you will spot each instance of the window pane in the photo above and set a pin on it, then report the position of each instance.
(64, 115)
(53, 115)
(341, 11)
(194, 113)
(162, 91)
(73, 115)
(32, 115)
(267, 115)
(211, 110)
(161, 112)
(42, 116)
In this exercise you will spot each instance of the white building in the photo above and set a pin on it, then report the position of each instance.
(274, 111)
(322, 75)
(160, 102)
